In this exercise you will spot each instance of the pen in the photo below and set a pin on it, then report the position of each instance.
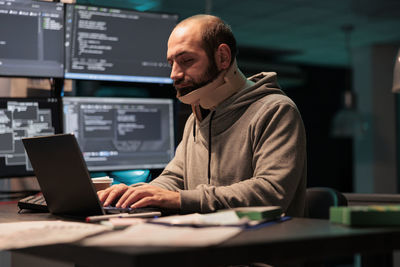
(98, 218)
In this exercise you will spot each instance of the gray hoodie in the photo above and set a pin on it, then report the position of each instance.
(256, 157)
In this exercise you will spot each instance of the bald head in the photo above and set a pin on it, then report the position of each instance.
(202, 20)
(211, 31)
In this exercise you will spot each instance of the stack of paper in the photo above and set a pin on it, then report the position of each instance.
(37, 233)
(210, 229)
(149, 234)
(233, 217)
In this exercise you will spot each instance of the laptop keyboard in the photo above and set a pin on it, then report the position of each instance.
(34, 202)
(38, 203)
(112, 210)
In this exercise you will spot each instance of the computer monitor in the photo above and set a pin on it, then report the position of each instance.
(24, 117)
(31, 39)
(112, 44)
(121, 133)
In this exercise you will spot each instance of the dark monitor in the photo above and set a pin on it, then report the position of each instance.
(121, 133)
(24, 117)
(112, 44)
(31, 39)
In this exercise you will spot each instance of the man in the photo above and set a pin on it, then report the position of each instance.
(244, 144)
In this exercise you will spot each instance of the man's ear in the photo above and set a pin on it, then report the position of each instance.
(223, 57)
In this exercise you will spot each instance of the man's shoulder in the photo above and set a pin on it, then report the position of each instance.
(263, 76)
(273, 106)
(274, 99)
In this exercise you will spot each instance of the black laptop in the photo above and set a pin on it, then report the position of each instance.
(64, 179)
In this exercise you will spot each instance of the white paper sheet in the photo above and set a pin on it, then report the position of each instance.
(36, 233)
(149, 234)
(222, 218)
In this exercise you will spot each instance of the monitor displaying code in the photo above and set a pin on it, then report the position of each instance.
(31, 39)
(121, 133)
(117, 45)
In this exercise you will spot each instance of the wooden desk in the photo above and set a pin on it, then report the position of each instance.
(296, 240)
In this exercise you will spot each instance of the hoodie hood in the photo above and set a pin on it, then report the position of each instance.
(232, 108)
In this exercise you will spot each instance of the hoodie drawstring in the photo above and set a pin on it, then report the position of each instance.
(209, 147)
(194, 131)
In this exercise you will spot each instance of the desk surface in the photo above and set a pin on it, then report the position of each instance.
(295, 240)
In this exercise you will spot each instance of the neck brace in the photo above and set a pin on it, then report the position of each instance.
(209, 96)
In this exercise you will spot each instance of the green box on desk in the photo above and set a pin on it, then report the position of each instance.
(263, 213)
(370, 215)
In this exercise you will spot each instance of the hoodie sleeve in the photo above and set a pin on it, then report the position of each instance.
(172, 176)
(278, 145)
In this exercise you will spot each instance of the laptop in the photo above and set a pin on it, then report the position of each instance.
(64, 179)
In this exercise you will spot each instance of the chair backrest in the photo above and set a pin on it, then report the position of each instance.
(320, 199)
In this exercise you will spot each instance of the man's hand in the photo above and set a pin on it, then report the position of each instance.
(109, 195)
(140, 196)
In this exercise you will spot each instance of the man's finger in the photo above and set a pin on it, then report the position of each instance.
(115, 193)
(102, 194)
(144, 202)
(138, 194)
(124, 196)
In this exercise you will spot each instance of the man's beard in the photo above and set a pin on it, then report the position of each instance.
(209, 76)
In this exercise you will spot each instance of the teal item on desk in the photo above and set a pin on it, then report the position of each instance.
(98, 174)
(131, 176)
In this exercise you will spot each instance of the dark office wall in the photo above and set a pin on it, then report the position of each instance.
(319, 97)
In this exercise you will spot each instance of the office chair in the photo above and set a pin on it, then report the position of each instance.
(318, 202)
(320, 199)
